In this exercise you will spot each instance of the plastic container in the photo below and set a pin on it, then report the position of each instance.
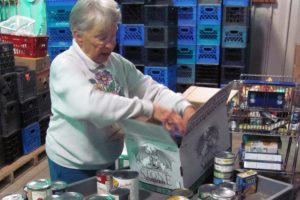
(18, 25)
(186, 73)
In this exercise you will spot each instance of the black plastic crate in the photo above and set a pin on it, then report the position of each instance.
(7, 59)
(132, 13)
(160, 36)
(141, 68)
(234, 56)
(44, 103)
(186, 73)
(10, 118)
(12, 147)
(182, 87)
(230, 73)
(11, 81)
(29, 111)
(160, 56)
(234, 15)
(44, 124)
(207, 74)
(158, 2)
(161, 15)
(26, 80)
(133, 53)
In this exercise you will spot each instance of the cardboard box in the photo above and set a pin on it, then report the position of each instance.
(37, 64)
(297, 56)
(162, 165)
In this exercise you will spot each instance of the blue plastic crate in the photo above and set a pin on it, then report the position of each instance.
(57, 48)
(187, 15)
(209, 14)
(163, 75)
(186, 73)
(185, 2)
(234, 36)
(186, 54)
(132, 34)
(186, 35)
(60, 2)
(58, 13)
(59, 34)
(208, 54)
(236, 2)
(208, 35)
(31, 137)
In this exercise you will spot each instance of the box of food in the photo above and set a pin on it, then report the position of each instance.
(37, 64)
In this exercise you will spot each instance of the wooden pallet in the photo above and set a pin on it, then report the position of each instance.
(9, 173)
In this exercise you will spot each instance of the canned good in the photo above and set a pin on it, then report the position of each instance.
(204, 191)
(182, 192)
(38, 189)
(120, 193)
(224, 158)
(71, 196)
(54, 197)
(222, 193)
(177, 198)
(223, 168)
(58, 187)
(100, 197)
(230, 185)
(13, 197)
(127, 179)
(104, 181)
(223, 175)
(218, 181)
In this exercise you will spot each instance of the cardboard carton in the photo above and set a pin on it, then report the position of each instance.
(162, 164)
(297, 56)
(37, 64)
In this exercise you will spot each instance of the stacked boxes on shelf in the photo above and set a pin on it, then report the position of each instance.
(58, 28)
(209, 14)
(234, 39)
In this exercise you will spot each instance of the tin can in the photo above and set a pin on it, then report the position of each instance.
(222, 193)
(218, 181)
(38, 189)
(71, 196)
(104, 181)
(58, 187)
(177, 198)
(230, 185)
(204, 191)
(127, 179)
(54, 197)
(120, 193)
(223, 175)
(224, 158)
(223, 168)
(182, 192)
(13, 197)
(100, 197)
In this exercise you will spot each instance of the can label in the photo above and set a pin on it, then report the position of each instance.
(104, 182)
(224, 168)
(38, 195)
(131, 184)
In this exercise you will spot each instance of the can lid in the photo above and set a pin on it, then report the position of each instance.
(223, 192)
(54, 197)
(182, 192)
(100, 197)
(207, 187)
(125, 174)
(39, 184)
(225, 154)
(58, 185)
(71, 196)
(13, 197)
(177, 198)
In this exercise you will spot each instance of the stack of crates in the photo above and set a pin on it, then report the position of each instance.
(160, 19)
(131, 32)
(186, 41)
(58, 27)
(236, 17)
(209, 18)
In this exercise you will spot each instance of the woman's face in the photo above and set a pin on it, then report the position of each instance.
(98, 43)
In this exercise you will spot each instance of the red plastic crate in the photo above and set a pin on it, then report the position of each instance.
(27, 46)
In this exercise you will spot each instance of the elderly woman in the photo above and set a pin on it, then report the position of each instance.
(92, 89)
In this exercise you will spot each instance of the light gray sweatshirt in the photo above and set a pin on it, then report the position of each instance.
(87, 102)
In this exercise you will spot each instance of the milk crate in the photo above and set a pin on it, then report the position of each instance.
(11, 82)
(59, 33)
(236, 2)
(31, 138)
(207, 74)
(131, 1)
(185, 2)
(160, 56)
(186, 73)
(57, 48)
(42, 80)
(187, 15)
(234, 15)
(12, 146)
(164, 75)
(131, 34)
(186, 54)
(160, 36)
(26, 80)
(186, 35)
(132, 13)
(10, 118)
(234, 36)
(58, 12)
(44, 124)
(141, 68)
(234, 56)
(208, 54)
(230, 73)
(133, 53)
(158, 2)
(209, 14)
(210, 1)
(208, 35)
(44, 103)
(29, 111)
(7, 61)
(161, 15)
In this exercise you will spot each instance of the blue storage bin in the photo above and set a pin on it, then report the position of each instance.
(236, 2)
(186, 73)
(31, 137)
(132, 34)
(57, 48)
(185, 2)
(234, 36)
(187, 15)
(60, 2)
(186, 35)
(59, 33)
(208, 54)
(57, 13)
(186, 54)
(208, 35)
(209, 14)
